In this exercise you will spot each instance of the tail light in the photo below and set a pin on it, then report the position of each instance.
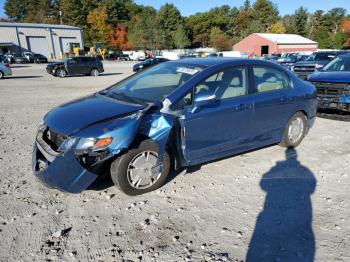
(7, 65)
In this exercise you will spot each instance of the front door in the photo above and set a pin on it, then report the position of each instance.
(74, 66)
(223, 127)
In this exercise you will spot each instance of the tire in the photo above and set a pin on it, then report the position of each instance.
(61, 73)
(295, 131)
(124, 174)
(94, 72)
(1, 75)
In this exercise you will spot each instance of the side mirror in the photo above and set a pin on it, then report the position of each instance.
(203, 99)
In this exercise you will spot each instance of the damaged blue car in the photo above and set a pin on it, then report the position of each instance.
(174, 115)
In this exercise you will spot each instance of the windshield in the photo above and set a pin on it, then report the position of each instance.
(155, 83)
(338, 64)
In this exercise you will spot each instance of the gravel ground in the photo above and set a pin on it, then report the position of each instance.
(286, 206)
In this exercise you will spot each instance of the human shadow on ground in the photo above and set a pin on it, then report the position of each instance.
(283, 230)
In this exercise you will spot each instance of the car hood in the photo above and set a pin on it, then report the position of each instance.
(302, 63)
(74, 116)
(330, 77)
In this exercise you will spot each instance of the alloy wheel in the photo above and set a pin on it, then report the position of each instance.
(139, 172)
(296, 130)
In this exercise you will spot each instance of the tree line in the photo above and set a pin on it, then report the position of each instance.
(124, 25)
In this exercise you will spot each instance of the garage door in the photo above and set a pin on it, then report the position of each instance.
(37, 45)
(65, 41)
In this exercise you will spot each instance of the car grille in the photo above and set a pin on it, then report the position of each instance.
(330, 89)
(305, 69)
(55, 140)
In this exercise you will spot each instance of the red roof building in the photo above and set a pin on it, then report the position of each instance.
(261, 44)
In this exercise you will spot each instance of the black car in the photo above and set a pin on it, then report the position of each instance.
(35, 58)
(148, 63)
(80, 65)
(20, 59)
(118, 56)
(39, 58)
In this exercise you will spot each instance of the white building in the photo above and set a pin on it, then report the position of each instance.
(49, 40)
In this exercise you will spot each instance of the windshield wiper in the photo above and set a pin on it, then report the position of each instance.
(126, 98)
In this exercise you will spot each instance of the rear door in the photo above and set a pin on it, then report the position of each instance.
(223, 127)
(273, 104)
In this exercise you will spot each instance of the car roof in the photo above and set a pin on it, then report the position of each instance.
(209, 62)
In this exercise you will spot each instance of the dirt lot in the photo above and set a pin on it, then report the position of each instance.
(287, 206)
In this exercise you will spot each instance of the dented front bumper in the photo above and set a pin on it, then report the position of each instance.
(62, 171)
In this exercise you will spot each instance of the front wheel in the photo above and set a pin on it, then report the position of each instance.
(94, 72)
(132, 171)
(61, 73)
(1, 75)
(295, 130)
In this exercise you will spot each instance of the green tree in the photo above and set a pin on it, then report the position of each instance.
(218, 40)
(265, 13)
(301, 16)
(180, 37)
(145, 31)
(169, 18)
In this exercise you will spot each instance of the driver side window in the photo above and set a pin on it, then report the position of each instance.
(226, 84)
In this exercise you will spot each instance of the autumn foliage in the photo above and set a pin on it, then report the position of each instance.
(345, 26)
(118, 38)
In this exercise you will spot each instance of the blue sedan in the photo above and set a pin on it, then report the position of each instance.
(176, 114)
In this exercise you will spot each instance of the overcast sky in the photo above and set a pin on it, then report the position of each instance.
(188, 7)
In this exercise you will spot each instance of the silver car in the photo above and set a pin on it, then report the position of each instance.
(5, 70)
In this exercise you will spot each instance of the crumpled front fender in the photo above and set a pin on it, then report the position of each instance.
(65, 172)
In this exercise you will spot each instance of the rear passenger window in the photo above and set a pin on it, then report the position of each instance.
(268, 79)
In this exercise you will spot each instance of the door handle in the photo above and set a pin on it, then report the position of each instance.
(242, 107)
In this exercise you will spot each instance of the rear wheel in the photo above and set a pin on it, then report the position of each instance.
(132, 171)
(295, 130)
(61, 73)
(94, 72)
(1, 75)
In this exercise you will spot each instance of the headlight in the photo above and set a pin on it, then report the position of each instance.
(93, 143)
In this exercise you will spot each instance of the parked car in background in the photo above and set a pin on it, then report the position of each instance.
(80, 65)
(290, 61)
(29, 56)
(175, 114)
(10, 57)
(316, 61)
(5, 70)
(39, 58)
(118, 56)
(20, 59)
(333, 84)
(273, 57)
(35, 58)
(148, 63)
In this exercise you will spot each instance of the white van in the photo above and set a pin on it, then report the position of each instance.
(235, 54)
